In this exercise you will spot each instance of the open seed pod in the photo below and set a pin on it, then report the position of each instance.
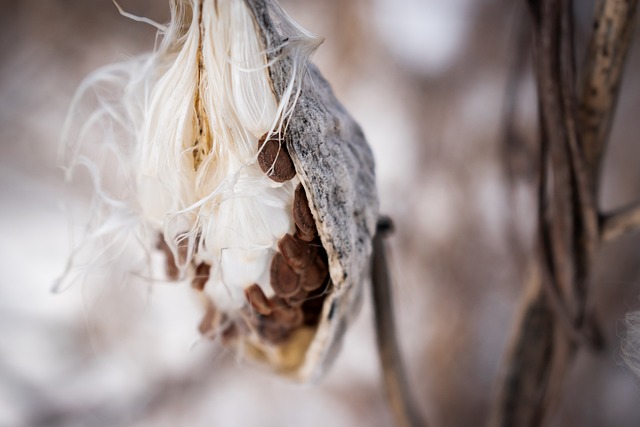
(245, 171)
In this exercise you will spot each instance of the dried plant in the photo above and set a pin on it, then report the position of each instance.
(556, 315)
(235, 160)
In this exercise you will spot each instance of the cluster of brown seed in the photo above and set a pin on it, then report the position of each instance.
(299, 270)
(299, 273)
(299, 279)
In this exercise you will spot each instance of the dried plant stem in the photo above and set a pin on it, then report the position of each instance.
(620, 222)
(531, 364)
(554, 314)
(613, 27)
(397, 389)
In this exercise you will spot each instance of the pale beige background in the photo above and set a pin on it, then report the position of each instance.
(426, 79)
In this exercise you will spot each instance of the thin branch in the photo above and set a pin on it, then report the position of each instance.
(536, 357)
(585, 237)
(623, 221)
(520, 401)
(402, 404)
(613, 27)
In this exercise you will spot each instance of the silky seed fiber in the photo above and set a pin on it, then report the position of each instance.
(238, 167)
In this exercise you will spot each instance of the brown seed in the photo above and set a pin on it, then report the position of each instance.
(229, 333)
(284, 281)
(296, 253)
(182, 251)
(269, 328)
(207, 322)
(314, 304)
(312, 309)
(302, 215)
(274, 159)
(258, 300)
(273, 332)
(171, 268)
(288, 316)
(305, 237)
(297, 299)
(201, 277)
(315, 275)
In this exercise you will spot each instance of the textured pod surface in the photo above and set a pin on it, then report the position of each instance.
(336, 169)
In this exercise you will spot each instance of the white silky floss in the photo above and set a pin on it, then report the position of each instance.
(170, 140)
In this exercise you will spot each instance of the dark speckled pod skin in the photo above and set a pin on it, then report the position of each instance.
(336, 168)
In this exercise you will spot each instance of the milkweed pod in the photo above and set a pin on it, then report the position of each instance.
(235, 160)
(336, 170)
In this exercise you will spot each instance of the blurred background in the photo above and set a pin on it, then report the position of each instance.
(430, 82)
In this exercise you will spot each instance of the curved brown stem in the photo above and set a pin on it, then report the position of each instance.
(402, 404)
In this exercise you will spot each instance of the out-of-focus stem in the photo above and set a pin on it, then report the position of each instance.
(554, 311)
(613, 27)
(397, 390)
(623, 221)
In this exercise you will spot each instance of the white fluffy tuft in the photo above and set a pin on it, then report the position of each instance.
(170, 142)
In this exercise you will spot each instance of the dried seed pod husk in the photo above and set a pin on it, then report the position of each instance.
(336, 170)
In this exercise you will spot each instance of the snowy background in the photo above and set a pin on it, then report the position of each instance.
(427, 80)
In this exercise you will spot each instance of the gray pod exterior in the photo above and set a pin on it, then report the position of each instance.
(336, 167)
